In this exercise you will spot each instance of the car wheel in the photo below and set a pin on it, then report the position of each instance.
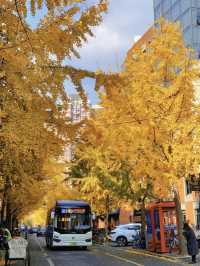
(122, 241)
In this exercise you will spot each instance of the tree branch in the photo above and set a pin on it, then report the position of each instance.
(21, 20)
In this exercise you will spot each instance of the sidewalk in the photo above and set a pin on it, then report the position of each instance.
(173, 256)
(168, 256)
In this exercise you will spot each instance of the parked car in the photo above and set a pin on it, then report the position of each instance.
(41, 231)
(124, 234)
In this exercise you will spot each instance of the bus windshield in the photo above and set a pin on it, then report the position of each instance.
(72, 220)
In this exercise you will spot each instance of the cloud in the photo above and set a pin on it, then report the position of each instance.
(125, 21)
(105, 41)
(136, 38)
(104, 50)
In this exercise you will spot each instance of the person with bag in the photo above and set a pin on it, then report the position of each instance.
(192, 245)
(5, 238)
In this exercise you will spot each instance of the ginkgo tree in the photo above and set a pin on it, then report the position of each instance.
(53, 189)
(34, 127)
(149, 123)
(87, 174)
(103, 176)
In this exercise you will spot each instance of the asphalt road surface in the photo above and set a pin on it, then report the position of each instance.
(94, 256)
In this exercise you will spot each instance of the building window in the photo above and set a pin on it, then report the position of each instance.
(198, 16)
(188, 187)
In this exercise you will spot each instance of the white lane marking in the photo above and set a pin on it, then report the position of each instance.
(44, 253)
(41, 248)
(123, 259)
(50, 262)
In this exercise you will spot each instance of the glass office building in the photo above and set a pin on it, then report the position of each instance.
(185, 11)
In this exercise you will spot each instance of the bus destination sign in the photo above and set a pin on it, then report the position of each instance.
(73, 210)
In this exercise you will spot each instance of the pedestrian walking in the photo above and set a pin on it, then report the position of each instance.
(192, 245)
(2, 247)
(5, 237)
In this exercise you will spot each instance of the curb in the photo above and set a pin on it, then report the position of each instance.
(173, 257)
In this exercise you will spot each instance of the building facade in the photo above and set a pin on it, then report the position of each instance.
(187, 12)
(142, 43)
(190, 203)
(77, 111)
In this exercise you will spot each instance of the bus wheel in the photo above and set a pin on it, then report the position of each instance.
(84, 247)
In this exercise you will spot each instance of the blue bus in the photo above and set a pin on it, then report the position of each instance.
(69, 224)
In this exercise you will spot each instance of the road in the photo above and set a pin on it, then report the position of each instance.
(95, 256)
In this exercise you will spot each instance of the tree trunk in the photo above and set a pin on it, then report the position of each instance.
(182, 245)
(14, 222)
(143, 219)
(5, 199)
(107, 214)
(8, 216)
(3, 207)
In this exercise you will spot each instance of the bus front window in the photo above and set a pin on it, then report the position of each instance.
(72, 222)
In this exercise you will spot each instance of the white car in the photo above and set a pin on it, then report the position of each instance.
(125, 233)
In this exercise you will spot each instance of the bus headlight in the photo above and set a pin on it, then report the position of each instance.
(56, 238)
(88, 240)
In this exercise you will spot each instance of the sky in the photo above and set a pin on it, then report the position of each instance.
(124, 22)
